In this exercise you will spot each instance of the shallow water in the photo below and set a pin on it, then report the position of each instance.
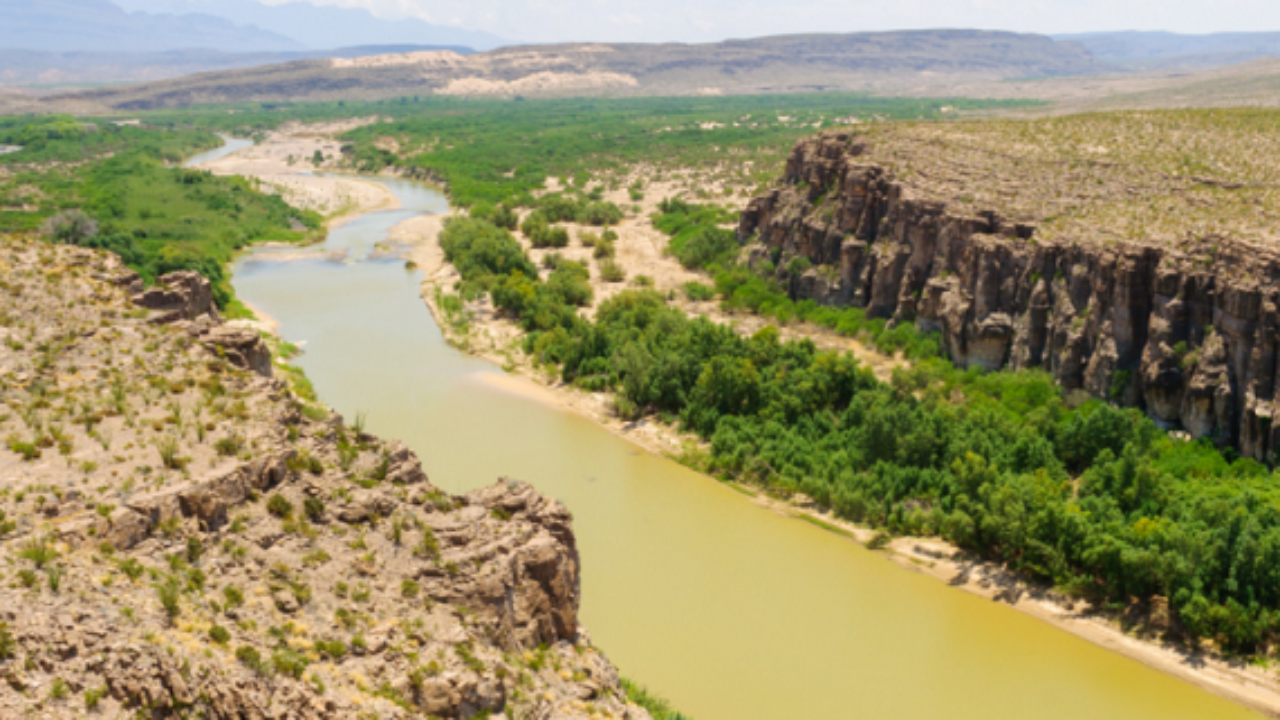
(729, 610)
(230, 146)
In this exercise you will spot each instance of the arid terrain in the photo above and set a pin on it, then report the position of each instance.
(184, 532)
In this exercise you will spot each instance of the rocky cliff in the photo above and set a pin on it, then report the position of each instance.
(184, 537)
(1181, 323)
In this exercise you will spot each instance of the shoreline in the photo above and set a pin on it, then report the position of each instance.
(1250, 686)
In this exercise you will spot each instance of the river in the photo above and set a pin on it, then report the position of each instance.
(230, 146)
(728, 609)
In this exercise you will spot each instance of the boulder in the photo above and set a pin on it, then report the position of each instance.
(365, 504)
(242, 347)
(183, 295)
(125, 528)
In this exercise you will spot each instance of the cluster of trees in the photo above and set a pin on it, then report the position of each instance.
(698, 238)
(1093, 499)
(492, 261)
(125, 197)
(576, 208)
(542, 233)
(62, 138)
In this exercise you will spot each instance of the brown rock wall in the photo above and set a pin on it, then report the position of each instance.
(1143, 324)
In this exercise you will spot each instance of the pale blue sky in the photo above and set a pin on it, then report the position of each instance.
(706, 20)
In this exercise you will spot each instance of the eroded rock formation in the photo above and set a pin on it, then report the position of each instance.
(189, 539)
(1146, 324)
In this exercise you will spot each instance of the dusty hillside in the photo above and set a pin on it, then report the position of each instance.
(1132, 255)
(182, 534)
(869, 61)
(1251, 84)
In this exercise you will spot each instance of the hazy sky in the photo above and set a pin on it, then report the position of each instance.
(708, 20)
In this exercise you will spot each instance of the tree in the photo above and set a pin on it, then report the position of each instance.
(71, 227)
(634, 362)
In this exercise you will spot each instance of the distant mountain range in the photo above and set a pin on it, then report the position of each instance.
(99, 25)
(79, 43)
(228, 26)
(79, 69)
(887, 63)
(1135, 50)
(321, 27)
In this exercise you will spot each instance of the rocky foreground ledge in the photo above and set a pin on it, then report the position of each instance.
(183, 537)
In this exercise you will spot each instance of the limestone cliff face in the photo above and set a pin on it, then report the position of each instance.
(1145, 325)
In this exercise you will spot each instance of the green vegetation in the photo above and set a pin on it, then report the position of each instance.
(489, 150)
(1093, 499)
(697, 240)
(698, 292)
(64, 139)
(659, 708)
(280, 506)
(160, 218)
(493, 150)
(114, 188)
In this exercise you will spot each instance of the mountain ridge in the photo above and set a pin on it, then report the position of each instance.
(1156, 50)
(320, 27)
(872, 62)
(99, 25)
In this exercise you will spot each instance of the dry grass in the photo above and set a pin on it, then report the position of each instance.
(1162, 177)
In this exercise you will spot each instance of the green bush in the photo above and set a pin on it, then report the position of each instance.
(612, 272)
(169, 592)
(219, 635)
(250, 658)
(698, 292)
(289, 663)
(314, 508)
(697, 241)
(280, 506)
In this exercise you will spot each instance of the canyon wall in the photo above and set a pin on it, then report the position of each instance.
(1192, 343)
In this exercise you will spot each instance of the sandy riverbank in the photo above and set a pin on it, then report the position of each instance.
(282, 164)
(496, 340)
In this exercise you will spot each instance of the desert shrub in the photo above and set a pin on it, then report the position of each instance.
(219, 635)
(612, 272)
(71, 227)
(280, 506)
(698, 292)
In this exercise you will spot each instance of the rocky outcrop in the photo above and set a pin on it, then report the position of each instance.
(217, 552)
(242, 347)
(183, 295)
(186, 299)
(1149, 325)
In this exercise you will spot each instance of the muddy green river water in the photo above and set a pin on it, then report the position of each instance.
(727, 609)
